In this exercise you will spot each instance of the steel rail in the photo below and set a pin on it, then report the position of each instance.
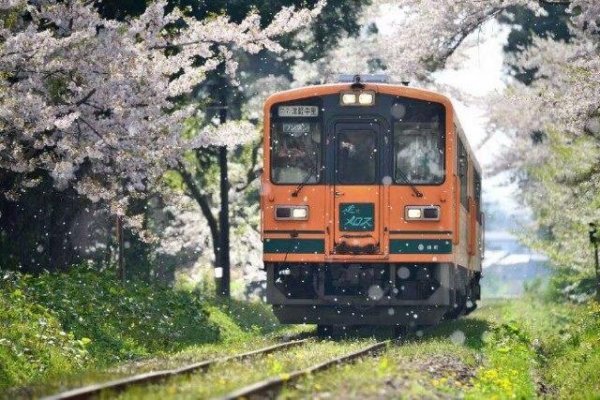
(262, 388)
(87, 392)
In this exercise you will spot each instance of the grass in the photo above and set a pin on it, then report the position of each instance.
(60, 330)
(509, 360)
(437, 368)
(523, 348)
(33, 343)
(562, 341)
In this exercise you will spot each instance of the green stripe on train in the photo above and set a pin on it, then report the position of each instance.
(420, 246)
(306, 246)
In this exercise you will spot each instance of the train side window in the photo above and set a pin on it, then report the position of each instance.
(463, 168)
(296, 152)
(477, 189)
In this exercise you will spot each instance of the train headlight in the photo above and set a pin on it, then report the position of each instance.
(300, 213)
(413, 213)
(291, 213)
(348, 98)
(422, 213)
(357, 98)
(366, 98)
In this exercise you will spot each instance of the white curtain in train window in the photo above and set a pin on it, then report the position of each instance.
(419, 154)
(295, 152)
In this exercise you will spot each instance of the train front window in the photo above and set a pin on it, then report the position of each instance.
(296, 155)
(357, 153)
(418, 142)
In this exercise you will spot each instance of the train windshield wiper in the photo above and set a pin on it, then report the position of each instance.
(405, 179)
(302, 184)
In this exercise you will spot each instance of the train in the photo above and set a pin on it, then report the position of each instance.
(370, 206)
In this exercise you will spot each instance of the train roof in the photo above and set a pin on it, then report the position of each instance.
(332, 88)
(378, 87)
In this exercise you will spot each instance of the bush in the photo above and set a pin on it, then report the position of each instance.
(32, 341)
(62, 322)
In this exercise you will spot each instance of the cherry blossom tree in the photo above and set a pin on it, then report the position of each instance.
(421, 37)
(93, 103)
(555, 137)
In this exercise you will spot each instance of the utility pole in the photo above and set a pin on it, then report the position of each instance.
(595, 240)
(222, 271)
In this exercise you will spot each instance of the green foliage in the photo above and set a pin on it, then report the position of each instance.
(541, 347)
(32, 340)
(563, 194)
(57, 324)
(250, 319)
(121, 321)
(509, 361)
(570, 351)
(57, 88)
(10, 19)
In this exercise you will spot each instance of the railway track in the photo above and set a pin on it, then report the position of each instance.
(118, 385)
(267, 388)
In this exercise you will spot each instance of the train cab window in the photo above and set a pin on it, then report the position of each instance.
(418, 142)
(357, 157)
(463, 168)
(296, 152)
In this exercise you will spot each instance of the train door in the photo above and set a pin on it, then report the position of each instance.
(357, 190)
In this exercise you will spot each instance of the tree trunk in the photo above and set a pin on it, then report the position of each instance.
(202, 201)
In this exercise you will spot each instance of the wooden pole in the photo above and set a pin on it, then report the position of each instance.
(120, 247)
(224, 262)
(222, 272)
(597, 270)
(595, 239)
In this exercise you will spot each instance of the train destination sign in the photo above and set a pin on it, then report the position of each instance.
(357, 217)
(298, 111)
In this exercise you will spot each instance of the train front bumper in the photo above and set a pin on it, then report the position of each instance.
(363, 294)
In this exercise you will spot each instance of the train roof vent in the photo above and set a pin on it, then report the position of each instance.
(365, 78)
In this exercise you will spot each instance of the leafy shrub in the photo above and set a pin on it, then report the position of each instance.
(32, 341)
(62, 322)
(571, 356)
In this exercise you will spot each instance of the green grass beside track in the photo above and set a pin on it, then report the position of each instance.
(64, 331)
(519, 348)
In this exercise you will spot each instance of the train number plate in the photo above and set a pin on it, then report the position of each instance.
(298, 111)
(357, 217)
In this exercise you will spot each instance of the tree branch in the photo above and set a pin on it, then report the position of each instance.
(204, 204)
(85, 98)
(251, 175)
(582, 177)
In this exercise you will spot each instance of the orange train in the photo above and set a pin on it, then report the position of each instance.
(371, 206)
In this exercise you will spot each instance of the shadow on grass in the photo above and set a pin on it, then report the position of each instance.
(472, 328)
(258, 318)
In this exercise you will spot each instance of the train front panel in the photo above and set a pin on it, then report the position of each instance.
(360, 219)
